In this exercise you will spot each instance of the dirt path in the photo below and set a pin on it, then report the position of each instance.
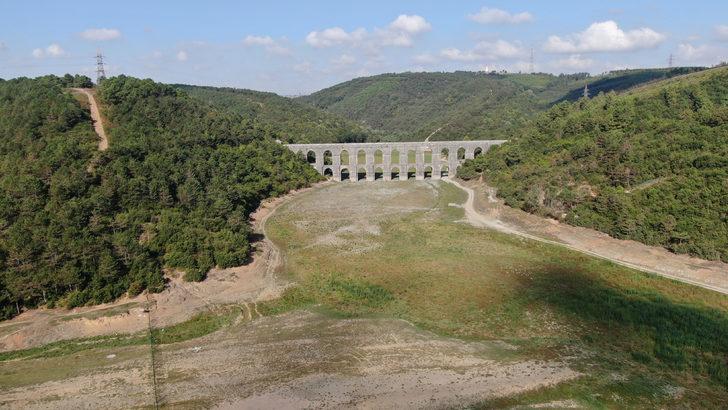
(482, 209)
(435, 132)
(96, 116)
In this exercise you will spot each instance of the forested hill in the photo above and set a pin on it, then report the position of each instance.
(650, 165)
(291, 120)
(463, 105)
(174, 190)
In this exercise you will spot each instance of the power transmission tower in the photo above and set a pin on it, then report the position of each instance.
(586, 90)
(531, 65)
(100, 74)
(671, 61)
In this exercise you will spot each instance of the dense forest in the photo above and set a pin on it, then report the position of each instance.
(650, 165)
(464, 105)
(174, 190)
(291, 120)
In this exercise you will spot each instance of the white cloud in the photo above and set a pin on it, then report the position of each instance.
(488, 15)
(182, 56)
(267, 42)
(722, 32)
(605, 36)
(485, 50)
(700, 54)
(401, 32)
(410, 24)
(101, 34)
(573, 62)
(53, 50)
(334, 36)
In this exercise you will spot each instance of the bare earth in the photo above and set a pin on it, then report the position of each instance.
(297, 360)
(484, 210)
(96, 117)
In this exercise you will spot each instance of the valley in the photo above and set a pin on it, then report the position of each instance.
(388, 298)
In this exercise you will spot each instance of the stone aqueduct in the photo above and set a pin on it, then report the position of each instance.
(390, 160)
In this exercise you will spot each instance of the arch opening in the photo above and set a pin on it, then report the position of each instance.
(461, 153)
(361, 157)
(444, 154)
(328, 172)
(395, 173)
(411, 156)
(428, 157)
(378, 157)
(378, 174)
(411, 173)
(345, 174)
(394, 157)
(344, 157)
(361, 174)
(328, 160)
(311, 157)
(478, 152)
(428, 172)
(444, 171)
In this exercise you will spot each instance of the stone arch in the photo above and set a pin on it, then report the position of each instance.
(378, 157)
(411, 173)
(394, 173)
(478, 152)
(461, 153)
(444, 171)
(427, 156)
(344, 157)
(428, 172)
(328, 172)
(311, 157)
(361, 174)
(328, 160)
(394, 157)
(411, 156)
(345, 174)
(361, 157)
(444, 154)
(378, 173)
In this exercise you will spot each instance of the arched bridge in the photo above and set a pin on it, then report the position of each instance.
(390, 160)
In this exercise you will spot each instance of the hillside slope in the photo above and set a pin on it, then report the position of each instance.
(463, 105)
(174, 190)
(288, 119)
(650, 165)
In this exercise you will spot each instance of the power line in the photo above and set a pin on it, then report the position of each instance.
(100, 74)
(671, 61)
(531, 68)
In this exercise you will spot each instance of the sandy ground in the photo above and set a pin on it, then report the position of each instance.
(96, 117)
(300, 360)
(483, 209)
(181, 300)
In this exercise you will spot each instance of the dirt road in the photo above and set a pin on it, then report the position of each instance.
(96, 116)
(482, 209)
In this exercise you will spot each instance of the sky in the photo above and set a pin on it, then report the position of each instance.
(297, 47)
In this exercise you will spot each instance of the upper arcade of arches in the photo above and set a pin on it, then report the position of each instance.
(433, 159)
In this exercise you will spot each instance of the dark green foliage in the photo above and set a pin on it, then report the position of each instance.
(649, 166)
(462, 105)
(174, 190)
(290, 120)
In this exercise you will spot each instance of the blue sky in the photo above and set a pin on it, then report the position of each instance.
(295, 47)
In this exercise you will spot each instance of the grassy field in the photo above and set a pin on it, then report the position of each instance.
(640, 340)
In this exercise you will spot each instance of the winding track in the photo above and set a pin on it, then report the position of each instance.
(96, 117)
(479, 220)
